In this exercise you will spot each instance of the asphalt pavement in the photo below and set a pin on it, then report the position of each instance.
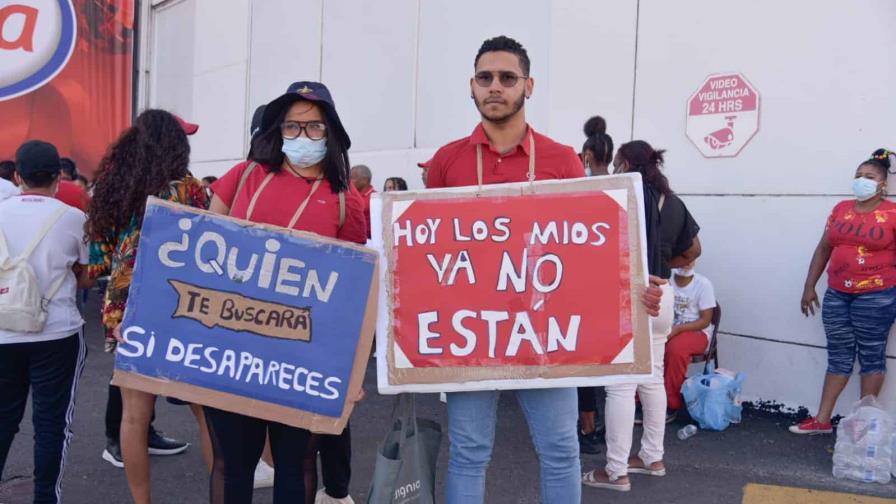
(711, 467)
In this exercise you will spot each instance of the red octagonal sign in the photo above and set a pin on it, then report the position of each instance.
(723, 115)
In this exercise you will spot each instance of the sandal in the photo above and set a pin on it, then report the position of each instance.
(599, 478)
(637, 466)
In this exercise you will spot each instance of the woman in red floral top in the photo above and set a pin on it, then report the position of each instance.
(149, 159)
(859, 247)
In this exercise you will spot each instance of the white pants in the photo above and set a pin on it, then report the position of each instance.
(620, 405)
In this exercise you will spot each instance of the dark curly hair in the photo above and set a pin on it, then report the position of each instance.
(642, 158)
(503, 43)
(144, 160)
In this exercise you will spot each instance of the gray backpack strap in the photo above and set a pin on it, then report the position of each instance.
(341, 209)
(54, 287)
(242, 182)
(44, 231)
(4, 250)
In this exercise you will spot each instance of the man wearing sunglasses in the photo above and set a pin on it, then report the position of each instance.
(508, 150)
(504, 148)
(500, 87)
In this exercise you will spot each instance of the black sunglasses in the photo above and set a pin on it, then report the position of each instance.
(507, 79)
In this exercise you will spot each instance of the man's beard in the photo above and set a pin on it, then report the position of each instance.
(501, 118)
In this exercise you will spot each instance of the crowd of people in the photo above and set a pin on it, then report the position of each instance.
(59, 233)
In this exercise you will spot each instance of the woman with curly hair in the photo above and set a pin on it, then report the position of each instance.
(149, 159)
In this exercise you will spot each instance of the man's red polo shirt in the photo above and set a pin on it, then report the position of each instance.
(455, 163)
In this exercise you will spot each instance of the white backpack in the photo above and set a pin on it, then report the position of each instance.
(22, 307)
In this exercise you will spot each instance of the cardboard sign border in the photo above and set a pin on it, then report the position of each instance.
(393, 381)
(253, 407)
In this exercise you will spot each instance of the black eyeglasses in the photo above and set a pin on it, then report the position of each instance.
(507, 79)
(315, 130)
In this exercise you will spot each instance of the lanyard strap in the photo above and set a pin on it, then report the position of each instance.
(530, 177)
(256, 195)
(299, 211)
(304, 204)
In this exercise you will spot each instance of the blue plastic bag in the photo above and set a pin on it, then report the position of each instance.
(713, 399)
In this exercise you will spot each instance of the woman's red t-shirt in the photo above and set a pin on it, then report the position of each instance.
(864, 247)
(282, 196)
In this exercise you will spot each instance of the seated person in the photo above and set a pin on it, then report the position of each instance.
(694, 303)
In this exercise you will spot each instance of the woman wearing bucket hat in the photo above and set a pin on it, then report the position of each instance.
(300, 151)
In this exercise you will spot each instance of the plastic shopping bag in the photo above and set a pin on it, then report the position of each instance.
(713, 398)
(405, 470)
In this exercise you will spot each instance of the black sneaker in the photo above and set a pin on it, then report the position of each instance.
(639, 415)
(600, 424)
(589, 443)
(161, 445)
(112, 453)
(671, 416)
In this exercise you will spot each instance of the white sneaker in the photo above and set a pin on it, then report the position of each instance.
(264, 475)
(322, 498)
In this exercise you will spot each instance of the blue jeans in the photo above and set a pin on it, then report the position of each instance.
(552, 416)
(858, 324)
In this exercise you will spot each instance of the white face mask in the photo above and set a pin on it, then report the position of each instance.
(683, 272)
(864, 189)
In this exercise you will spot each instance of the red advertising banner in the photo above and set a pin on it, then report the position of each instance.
(65, 75)
(513, 286)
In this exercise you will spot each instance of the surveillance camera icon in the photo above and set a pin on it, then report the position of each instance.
(721, 138)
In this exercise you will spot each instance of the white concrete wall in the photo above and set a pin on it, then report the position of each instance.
(399, 73)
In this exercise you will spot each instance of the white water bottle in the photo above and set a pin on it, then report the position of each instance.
(687, 431)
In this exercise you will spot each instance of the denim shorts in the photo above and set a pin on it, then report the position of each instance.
(858, 324)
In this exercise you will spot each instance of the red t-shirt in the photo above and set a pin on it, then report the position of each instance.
(282, 196)
(366, 197)
(73, 195)
(863, 258)
(455, 164)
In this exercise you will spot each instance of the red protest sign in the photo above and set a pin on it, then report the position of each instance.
(514, 283)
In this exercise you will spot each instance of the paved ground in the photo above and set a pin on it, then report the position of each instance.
(709, 468)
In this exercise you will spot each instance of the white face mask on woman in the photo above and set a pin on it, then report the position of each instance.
(304, 152)
(864, 189)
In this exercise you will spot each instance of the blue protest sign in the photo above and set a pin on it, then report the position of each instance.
(249, 318)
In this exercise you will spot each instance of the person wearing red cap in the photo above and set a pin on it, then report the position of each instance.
(188, 127)
(424, 170)
(297, 176)
(158, 444)
(149, 159)
(504, 148)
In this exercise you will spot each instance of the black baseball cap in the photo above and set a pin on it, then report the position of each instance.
(37, 156)
(255, 126)
(308, 91)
